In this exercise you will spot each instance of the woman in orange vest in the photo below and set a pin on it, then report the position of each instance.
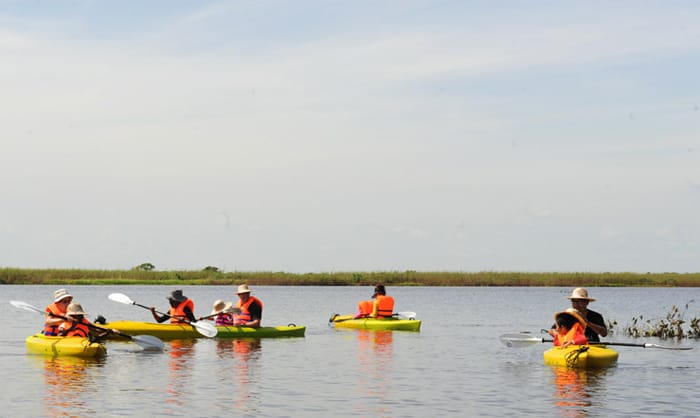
(75, 325)
(381, 307)
(56, 310)
(181, 309)
(570, 327)
(251, 309)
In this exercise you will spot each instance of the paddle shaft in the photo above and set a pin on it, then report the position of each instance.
(526, 339)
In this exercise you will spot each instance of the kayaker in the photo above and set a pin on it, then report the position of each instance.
(595, 323)
(181, 309)
(570, 327)
(221, 313)
(61, 300)
(251, 308)
(381, 307)
(76, 325)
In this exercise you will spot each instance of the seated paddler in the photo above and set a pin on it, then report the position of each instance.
(381, 305)
(181, 309)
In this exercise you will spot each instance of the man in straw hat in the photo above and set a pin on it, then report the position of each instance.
(56, 310)
(181, 309)
(251, 308)
(595, 323)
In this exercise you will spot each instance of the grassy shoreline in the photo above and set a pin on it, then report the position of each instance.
(391, 278)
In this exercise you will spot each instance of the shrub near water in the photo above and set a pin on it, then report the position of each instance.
(669, 327)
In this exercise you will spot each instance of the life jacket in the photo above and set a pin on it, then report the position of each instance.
(53, 310)
(224, 319)
(365, 308)
(575, 334)
(75, 329)
(178, 315)
(385, 306)
(244, 316)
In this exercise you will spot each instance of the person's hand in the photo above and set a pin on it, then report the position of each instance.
(153, 310)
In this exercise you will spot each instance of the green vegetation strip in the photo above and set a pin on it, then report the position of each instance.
(211, 276)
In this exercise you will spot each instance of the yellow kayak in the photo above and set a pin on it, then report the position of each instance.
(397, 324)
(185, 331)
(581, 356)
(64, 346)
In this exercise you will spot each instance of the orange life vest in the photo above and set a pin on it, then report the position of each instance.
(53, 310)
(75, 329)
(385, 306)
(576, 335)
(178, 315)
(365, 308)
(244, 316)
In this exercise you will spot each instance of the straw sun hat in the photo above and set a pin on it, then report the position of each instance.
(221, 306)
(243, 289)
(75, 309)
(571, 312)
(61, 294)
(580, 293)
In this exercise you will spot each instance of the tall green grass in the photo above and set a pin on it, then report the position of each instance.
(390, 278)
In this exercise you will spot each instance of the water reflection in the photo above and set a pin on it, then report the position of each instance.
(574, 389)
(66, 380)
(179, 371)
(245, 354)
(375, 354)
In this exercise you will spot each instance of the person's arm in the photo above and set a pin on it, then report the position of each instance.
(375, 309)
(189, 314)
(597, 324)
(255, 316)
(157, 317)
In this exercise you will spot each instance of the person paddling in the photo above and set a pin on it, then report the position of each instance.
(181, 309)
(595, 323)
(222, 313)
(250, 309)
(570, 327)
(76, 324)
(54, 312)
(381, 307)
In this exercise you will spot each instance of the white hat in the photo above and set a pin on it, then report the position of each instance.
(243, 289)
(61, 294)
(75, 309)
(221, 306)
(580, 293)
(572, 312)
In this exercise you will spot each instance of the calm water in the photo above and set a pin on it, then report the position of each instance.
(455, 366)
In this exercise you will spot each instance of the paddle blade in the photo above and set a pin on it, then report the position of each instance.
(148, 342)
(520, 340)
(205, 328)
(121, 298)
(407, 315)
(26, 307)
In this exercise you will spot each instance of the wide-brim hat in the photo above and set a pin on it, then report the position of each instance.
(221, 306)
(243, 289)
(571, 312)
(75, 309)
(177, 296)
(61, 294)
(580, 293)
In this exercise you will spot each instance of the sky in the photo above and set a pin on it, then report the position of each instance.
(327, 136)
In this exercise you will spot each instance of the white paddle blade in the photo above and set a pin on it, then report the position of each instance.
(26, 307)
(148, 342)
(407, 315)
(121, 298)
(205, 328)
(519, 340)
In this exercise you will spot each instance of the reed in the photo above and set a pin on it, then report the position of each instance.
(213, 276)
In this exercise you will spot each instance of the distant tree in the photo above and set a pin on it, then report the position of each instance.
(145, 267)
(212, 269)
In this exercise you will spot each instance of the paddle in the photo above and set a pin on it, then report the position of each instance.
(147, 342)
(523, 340)
(400, 315)
(208, 330)
(230, 310)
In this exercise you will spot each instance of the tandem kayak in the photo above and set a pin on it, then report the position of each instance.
(183, 331)
(581, 356)
(396, 324)
(64, 346)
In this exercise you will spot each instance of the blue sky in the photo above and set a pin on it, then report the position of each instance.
(309, 136)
